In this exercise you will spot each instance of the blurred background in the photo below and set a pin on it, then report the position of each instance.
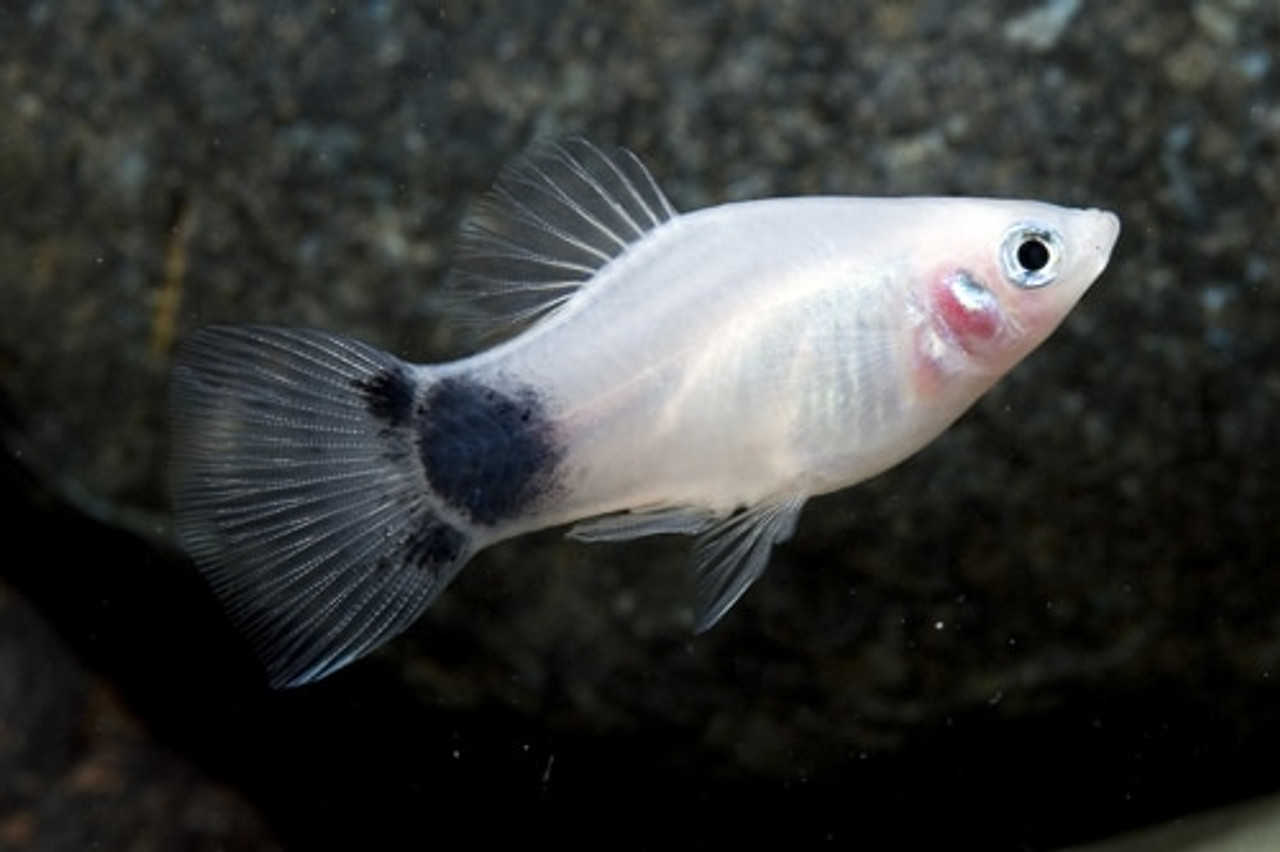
(1059, 622)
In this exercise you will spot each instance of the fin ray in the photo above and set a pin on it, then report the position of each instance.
(732, 554)
(636, 523)
(555, 217)
(304, 509)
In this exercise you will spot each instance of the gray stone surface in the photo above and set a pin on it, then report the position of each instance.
(1104, 523)
(78, 772)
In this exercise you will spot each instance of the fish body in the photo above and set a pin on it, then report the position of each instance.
(703, 373)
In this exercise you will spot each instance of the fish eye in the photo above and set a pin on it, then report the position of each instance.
(1031, 255)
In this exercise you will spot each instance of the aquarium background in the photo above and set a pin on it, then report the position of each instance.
(1059, 622)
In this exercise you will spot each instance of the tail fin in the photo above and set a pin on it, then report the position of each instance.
(300, 494)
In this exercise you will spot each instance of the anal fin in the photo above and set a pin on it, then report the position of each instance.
(732, 554)
(731, 551)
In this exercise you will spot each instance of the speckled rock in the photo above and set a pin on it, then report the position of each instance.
(77, 771)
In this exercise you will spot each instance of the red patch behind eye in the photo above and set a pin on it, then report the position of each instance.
(966, 309)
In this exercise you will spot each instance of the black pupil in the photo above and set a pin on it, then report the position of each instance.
(1033, 255)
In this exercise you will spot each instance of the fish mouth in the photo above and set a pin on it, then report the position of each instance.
(1096, 234)
(1106, 225)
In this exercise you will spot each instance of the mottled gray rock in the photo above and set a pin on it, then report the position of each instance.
(1106, 520)
(77, 771)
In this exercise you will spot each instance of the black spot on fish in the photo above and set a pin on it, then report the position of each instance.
(485, 453)
(388, 395)
(433, 545)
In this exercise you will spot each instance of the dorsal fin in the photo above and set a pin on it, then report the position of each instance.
(556, 215)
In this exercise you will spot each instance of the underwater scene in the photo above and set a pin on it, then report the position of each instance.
(844, 425)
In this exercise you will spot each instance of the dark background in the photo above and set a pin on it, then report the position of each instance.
(1058, 622)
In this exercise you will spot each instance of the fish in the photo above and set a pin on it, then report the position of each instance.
(702, 373)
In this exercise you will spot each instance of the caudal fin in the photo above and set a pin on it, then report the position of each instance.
(299, 492)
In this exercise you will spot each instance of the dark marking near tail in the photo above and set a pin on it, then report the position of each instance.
(487, 454)
(434, 545)
(388, 395)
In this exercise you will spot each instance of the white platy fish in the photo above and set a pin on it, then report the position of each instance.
(703, 373)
